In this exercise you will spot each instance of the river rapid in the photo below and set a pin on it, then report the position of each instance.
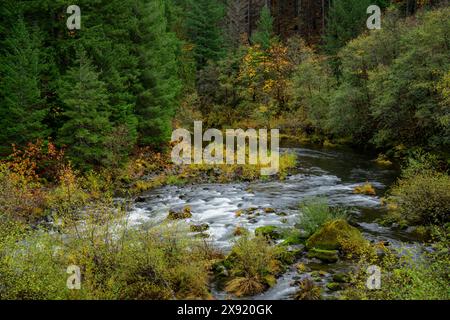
(332, 173)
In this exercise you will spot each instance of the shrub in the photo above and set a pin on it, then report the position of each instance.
(423, 198)
(251, 264)
(116, 262)
(406, 274)
(316, 212)
(421, 194)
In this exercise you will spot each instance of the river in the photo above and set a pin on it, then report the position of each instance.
(332, 173)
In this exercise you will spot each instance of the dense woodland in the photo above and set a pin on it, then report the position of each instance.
(87, 115)
(120, 81)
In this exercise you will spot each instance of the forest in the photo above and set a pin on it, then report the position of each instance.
(87, 114)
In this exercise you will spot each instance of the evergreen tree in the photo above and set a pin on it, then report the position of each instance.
(263, 35)
(22, 110)
(87, 129)
(159, 85)
(203, 29)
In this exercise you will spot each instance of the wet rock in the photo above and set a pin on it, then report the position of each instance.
(341, 277)
(326, 256)
(333, 286)
(281, 214)
(178, 215)
(269, 210)
(139, 200)
(239, 231)
(199, 227)
(366, 189)
(269, 232)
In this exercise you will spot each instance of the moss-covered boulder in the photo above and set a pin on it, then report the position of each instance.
(341, 277)
(327, 256)
(366, 189)
(177, 215)
(337, 235)
(333, 286)
(199, 227)
(269, 232)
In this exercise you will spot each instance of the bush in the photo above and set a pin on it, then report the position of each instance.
(316, 212)
(116, 262)
(406, 274)
(421, 197)
(252, 265)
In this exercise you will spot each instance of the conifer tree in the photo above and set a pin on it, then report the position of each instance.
(159, 85)
(22, 110)
(87, 129)
(204, 31)
(263, 35)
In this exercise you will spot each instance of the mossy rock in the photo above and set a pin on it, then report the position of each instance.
(333, 286)
(240, 231)
(177, 215)
(269, 210)
(327, 256)
(269, 232)
(199, 227)
(293, 240)
(287, 256)
(333, 234)
(366, 189)
(341, 277)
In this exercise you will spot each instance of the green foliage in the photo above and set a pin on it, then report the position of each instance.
(406, 274)
(22, 109)
(422, 194)
(264, 35)
(251, 264)
(87, 129)
(116, 262)
(202, 26)
(346, 20)
(159, 85)
(316, 212)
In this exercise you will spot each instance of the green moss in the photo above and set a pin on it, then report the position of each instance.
(336, 235)
(269, 232)
(341, 277)
(327, 256)
(199, 227)
(293, 239)
(333, 286)
(177, 215)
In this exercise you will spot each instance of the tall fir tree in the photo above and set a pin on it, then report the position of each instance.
(264, 35)
(159, 85)
(22, 110)
(87, 130)
(203, 28)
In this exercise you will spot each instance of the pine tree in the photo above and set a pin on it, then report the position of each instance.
(86, 131)
(203, 29)
(159, 85)
(263, 35)
(22, 110)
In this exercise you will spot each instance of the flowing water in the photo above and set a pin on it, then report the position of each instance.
(332, 173)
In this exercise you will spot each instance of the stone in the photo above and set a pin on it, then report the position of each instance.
(326, 256)
(333, 233)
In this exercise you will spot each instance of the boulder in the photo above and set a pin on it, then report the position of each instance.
(341, 277)
(326, 256)
(333, 234)
(199, 227)
(269, 232)
(177, 215)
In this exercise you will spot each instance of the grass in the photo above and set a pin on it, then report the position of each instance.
(315, 212)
